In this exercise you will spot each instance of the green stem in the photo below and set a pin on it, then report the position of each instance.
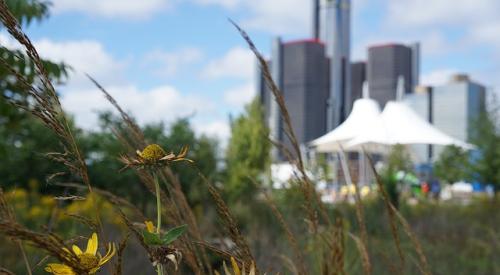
(158, 204)
(159, 269)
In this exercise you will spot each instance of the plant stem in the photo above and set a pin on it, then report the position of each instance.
(158, 203)
(159, 269)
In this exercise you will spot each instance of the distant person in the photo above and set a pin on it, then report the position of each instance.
(435, 189)
(425, 188)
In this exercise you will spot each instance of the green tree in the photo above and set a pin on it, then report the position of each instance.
(485, 164)
(452, 164)
(398, 160)
(26, 12)
(23, 139)
(248, 152)
(102, 148)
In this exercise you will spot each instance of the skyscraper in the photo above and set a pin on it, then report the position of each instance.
(457, 105)
(358, 78)
(386, 63)
(452, 108)
(314, 77)
(338, 49)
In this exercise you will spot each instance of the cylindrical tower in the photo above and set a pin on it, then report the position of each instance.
(338, 43)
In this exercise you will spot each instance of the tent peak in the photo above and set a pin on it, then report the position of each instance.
(365, 91)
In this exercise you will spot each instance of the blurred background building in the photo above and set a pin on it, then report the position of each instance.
(386, 63)
(319, 83)
(452, 108)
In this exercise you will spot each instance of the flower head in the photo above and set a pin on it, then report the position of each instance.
(150, 226)
(154, 156)
(89, 261)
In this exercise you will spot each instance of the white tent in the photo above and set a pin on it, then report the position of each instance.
(365, 112)
(399, 124)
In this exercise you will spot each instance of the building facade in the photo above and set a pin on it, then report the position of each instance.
(338, 41)
(456, 106)
(301, 71)
(453, 108)
(386, 63)
(358, 78)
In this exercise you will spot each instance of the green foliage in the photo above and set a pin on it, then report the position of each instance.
(452, 165)
(26, 11)
(247, 155)
(398, 160)
(23, 146)
(24, 140)
(102, 148)
(203, 150)
(486, 165)
(173, 234)
(168, 238)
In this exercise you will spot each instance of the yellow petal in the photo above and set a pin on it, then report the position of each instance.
(59, 269)
(92, 245)
(149, 226)
(109, 254)
(236, 269)
(77, 250)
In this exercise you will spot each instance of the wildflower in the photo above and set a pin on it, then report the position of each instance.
(150, 226)
(154, 155)
(161, 252)
(89, 261)
(235, 269)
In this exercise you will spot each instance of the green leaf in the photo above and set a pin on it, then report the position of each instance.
(173, 234)
(151, 238)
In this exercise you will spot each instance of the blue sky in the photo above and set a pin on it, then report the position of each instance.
(164, 59)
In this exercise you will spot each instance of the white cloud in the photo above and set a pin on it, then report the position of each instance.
(239, 96)
(8, 42)
(224, 3)
(111, 8)
(169, 63)
(84, 56)
(237, 62)
(279, 16)
(429, 13)
(437, 77)
(162, 103)
(276, 16)
(219, 129)
(487, 33)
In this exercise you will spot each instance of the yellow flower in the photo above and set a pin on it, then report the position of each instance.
(90, 261)
(154, 155)
(150, 226)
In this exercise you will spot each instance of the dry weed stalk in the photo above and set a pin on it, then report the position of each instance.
(422, 265)
(46, 106)
(230, 225)
(176, 207)
(390, 212)
(294, 158)
(299, 258)
(393, 213)
(119, 255)
(360, 216)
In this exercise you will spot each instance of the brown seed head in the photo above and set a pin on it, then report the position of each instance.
(152, 153)
(88, 261)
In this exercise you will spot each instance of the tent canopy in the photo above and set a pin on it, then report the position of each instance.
(399, 124)
(365, 111)
(366, 127)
